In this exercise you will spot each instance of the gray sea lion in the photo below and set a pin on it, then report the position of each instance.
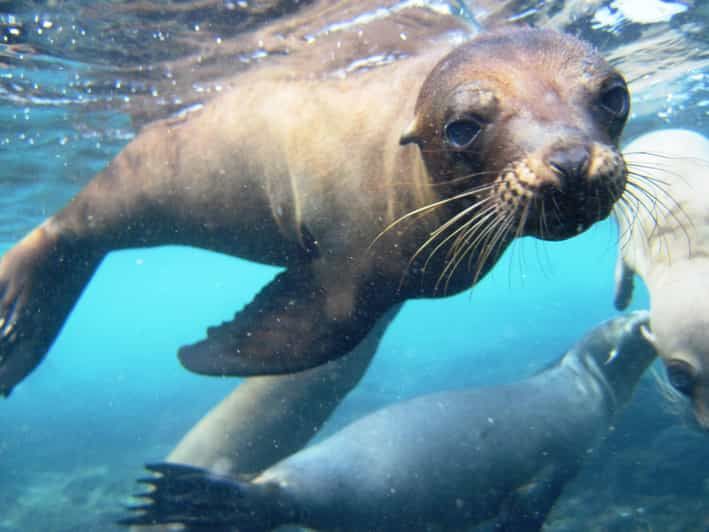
(447, 460)
(667, 245)
(267, 418)
(368, 190)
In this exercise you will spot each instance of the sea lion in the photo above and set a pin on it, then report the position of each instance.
(666, 243)
(368, 190)
(267, 418)
(448, 460)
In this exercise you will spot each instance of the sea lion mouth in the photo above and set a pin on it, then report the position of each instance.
(562, 215)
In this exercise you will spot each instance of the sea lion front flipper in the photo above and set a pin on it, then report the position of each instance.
(624, 283)
(41, 278)
(298, 321)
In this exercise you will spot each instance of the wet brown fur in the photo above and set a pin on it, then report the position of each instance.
(348, 184)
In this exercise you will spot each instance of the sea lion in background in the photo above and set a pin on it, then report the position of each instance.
(368, 190)
(449, 459)
(267, 418)
(668, 247)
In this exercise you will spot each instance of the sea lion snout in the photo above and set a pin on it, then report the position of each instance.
(569, 163)
(561, 190)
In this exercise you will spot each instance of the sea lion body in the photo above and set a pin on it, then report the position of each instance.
(667, 245)
(448, 460)
(404, 181)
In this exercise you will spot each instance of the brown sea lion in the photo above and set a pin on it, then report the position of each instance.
(667, 245)
(400, 182)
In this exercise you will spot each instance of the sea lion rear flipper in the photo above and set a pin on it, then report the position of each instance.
(526, 508)
(298, 321)
(201, 500)
(624, 281)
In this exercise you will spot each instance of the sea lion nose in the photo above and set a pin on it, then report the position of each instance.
(570, 163)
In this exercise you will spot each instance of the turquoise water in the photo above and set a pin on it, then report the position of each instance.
(111, 394)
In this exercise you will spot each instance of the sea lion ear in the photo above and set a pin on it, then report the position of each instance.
(411, 134)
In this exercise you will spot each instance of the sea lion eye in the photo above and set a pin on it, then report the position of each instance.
(681, 377)
(615, 100)
(462, 132)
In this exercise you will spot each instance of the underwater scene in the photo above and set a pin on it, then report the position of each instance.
(154, 258)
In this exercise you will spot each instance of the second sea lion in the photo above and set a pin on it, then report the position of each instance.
(667, 245)
(400, 182)
(442, 461)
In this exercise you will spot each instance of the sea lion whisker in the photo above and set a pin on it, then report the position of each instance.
(625, 213)
(655, 222)
(680, 217)
(637, 169)
(641, 181)
(518, 233)
(473, 221)
(654, 179)
(446, 225)
(437, 247)
(435, 234)
(650, 210)
(462, 179)
(494, 242)
(523, 219)
(457, 232)
(654, 191)
(557, 209)
(481, 219)
(637, 178)
(463, 242)
(482, 238)
(453, 261)
(422, 210)
(460, 215)
(543, 226)
(470, 176)
(508, 219)
(641, 195)
(449, 182)
(486, 213)
(667, 157)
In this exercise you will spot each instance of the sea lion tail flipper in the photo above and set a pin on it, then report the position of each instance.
(624, 283)
(200, 500)
(527, 507)
(297, 321)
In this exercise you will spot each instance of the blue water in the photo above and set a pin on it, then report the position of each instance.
(111, 394)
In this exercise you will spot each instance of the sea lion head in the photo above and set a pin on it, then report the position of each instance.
(530, 120)
(617, 352)
(687, 376)
(681, 333)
